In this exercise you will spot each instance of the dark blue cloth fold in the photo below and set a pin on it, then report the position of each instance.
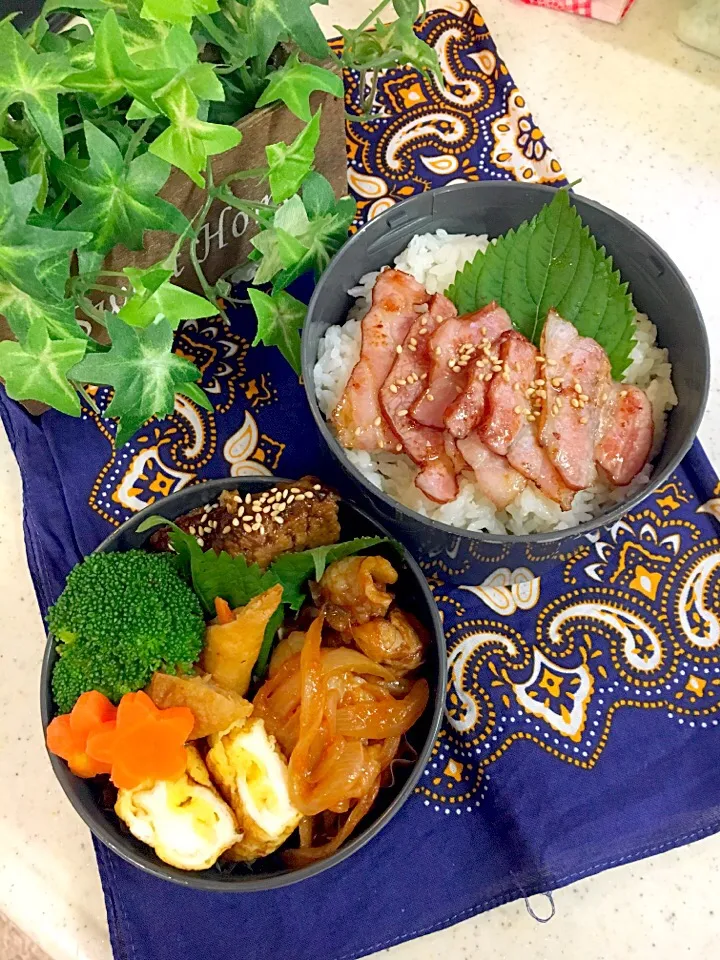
(583, 699)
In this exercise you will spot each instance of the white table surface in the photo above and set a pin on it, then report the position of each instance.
(637, 115)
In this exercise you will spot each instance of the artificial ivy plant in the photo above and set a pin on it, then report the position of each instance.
(95, 114)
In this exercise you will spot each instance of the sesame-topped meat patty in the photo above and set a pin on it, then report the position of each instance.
(294, 516)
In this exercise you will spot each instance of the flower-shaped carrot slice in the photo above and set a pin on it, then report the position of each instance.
(67, 735)
(145, 744)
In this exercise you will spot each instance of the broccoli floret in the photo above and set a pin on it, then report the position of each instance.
(121, 617)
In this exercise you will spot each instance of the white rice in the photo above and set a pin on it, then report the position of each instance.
(434, 259)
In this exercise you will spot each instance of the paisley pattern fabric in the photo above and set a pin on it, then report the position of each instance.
(583, 695)
(478, 127)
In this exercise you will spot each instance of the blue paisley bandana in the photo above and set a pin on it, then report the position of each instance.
(583, 703)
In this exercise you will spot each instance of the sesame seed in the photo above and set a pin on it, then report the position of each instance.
(506, 376)
(583, 419)
(247, 528)
(358, 431)
(266, 509)
(248, 498)
(226, 529)
(540, 382)
(422, 331)
(497, 367)
(483, 330)
(235, 522)
(412, 348)
(377, 421)
(201, 542)
(516, 386)
(574, 402)
(429, 397)
(309, 494)
(517, 409)
(541, 393)
(578, 388)
(488, 377)
(317, 486)
(393, 388)
(279, 520)
(401, 383)
(237, 499)
(300, 496)
(555, 409)
(423, 376)
(381, 444)
(398, 448)
(285, 494)
(191, 530)
(290, 500)
(398, 349)
(413, 340)
(262, 530)
(295, 490)
(438, 351)
(403, 413)
(256, 526)
(556, 381)
(623, 393)
(241, 511)
(584, 397)
(479, 363)
(531, 417)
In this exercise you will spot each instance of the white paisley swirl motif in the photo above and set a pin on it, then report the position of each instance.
(474, 90)
(467, 715)
(558, 695)
(629, 625)
(366, 185)
(506, 591)
(240, 447)
(427, 125)
(704, 632)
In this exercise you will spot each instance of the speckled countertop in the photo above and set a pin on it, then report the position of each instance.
(637, 115)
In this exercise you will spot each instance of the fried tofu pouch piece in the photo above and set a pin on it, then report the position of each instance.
(231, 649)
(252, 775)
(214, 708)
(185, 821)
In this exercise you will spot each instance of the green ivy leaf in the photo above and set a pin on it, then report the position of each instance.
(144, 372)
(115, 73)
(50, 6)
(177, 11)
(304, 234)
(179, 52)
(289, 165)
(25, 250)
(35, 80)
(189, 141)
(37, 157)
(271, 21)
(119, 201)
(152, 300)
(279, 320)
(38, 369)
(294, 83)
(552, 261)
(23, 312)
